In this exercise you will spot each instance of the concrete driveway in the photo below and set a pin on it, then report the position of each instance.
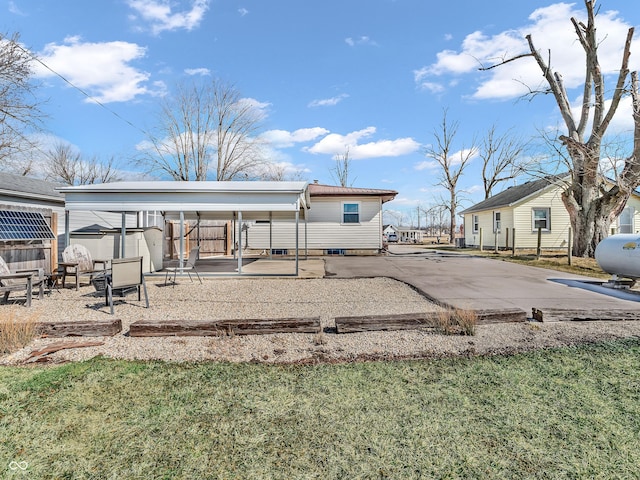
(465, 281)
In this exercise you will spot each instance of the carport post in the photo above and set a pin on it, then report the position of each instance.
(181, 254)
(123, 235)
(239, 243)
(297, 238)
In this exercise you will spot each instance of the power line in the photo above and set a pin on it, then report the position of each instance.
(90, 97)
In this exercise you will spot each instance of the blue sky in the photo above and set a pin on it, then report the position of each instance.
(370, 75)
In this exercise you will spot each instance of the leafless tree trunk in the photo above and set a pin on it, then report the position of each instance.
(19, 107)
(340, 173)
(501, 156)
(67, 166)
(204, 129)
(593, 203)
(451, 164)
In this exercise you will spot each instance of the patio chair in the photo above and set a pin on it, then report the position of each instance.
(21, 280)
(77, 261)
(189, 265)
(126, 274)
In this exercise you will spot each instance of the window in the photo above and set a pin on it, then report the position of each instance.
(541, 219)
(476, 223)
(350, 213)
(497, 224)
(336, 251)
(625, 220)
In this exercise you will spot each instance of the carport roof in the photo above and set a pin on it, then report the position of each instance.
(220, 198)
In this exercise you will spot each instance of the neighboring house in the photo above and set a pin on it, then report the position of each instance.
(527, 207)
(387, 229)
(410, 235)
(19, 192)
(341, 221)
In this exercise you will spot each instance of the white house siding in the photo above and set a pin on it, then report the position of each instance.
(634, 205)
(325, 227)
(557, 236)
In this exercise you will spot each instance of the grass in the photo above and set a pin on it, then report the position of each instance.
(563, 414)
(17, 328)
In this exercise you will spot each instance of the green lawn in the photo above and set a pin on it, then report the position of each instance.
(567, 413)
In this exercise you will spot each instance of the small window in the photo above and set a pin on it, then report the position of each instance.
(279, 251)
(497, 221)
(336, 251)
(541, 219)
(476, 223)
(350, 213)
(625, 220)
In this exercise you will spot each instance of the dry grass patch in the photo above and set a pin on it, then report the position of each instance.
(16, 329)
(457, 321)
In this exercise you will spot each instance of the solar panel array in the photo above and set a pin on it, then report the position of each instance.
(16, 225)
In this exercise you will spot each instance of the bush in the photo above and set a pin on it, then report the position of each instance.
(457, 322)
(16, 330)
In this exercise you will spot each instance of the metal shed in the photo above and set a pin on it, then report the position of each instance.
(182, 201)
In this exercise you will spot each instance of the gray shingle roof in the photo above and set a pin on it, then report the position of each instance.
(513, 195)
(28, 187)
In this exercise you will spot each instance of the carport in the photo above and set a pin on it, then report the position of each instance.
(183, 201)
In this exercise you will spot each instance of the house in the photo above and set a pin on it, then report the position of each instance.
(42, 199)
(387, 229)
(516, 214)
(410, 235)
(341, 221)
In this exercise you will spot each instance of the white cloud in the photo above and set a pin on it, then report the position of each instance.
(336, 144)
(243, 11)
(160, 16)
(360, 41)
(328, 102)
(551, 30)
(103, 70)
(285, 139)
(13, 8)
(197, 71)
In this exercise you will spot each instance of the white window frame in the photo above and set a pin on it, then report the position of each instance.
(343, 213)
(475, 223)
(534, 228)
(497, 221)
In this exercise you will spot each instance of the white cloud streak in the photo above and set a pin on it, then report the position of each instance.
(328, 102)
(160, 14)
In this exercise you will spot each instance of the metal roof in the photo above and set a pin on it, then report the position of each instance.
(220, 199)
(319, 190)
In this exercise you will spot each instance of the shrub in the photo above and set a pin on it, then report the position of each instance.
(457, 322)
(16, 330)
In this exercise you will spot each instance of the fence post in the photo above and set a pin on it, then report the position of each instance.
(495, 242)
(570, 247)
(539, 249)
(480, 235)
(506, 239)
(513, 242)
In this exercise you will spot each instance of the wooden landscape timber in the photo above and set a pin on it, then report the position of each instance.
(161, 328)
(413, 321)
(577, 315)
(89, 328)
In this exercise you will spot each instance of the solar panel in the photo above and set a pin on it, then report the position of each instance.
(17, 225)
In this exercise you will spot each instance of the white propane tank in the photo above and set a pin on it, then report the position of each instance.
(620, 255)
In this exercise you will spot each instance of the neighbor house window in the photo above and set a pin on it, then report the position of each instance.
(350, 213)
(541, 219)
(476, 223)
(625, 220)
(497, 223)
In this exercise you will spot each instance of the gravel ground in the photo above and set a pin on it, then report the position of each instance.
(280, 298)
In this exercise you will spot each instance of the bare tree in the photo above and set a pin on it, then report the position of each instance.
(67, 166)
(19, 107)
(451, 164)
(592, 202)
(340, 173)
(501, 155)
(205, 128)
